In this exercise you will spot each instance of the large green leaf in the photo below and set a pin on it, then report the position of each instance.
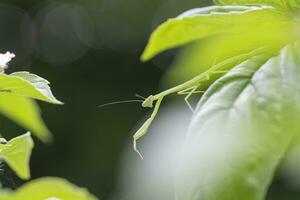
(29, 85)
(48, 189)
(243, 126)
(216, 20)
(26, 113)
(17, 154)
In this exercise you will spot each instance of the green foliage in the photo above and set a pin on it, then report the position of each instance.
(16, 102)
(17, 154)
(17, 93)
(246, 121)
(47, 189)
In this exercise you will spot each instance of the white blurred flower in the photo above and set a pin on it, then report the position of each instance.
(5, 59)
(3, 141)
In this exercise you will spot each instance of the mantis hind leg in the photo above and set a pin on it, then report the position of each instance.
(220, 72)
(189, 92)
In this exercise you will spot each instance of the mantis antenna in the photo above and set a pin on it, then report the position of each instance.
(140, 96)
(120, 102)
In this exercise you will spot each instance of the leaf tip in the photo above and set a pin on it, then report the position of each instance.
(57, 102)
(46, 137)
(25, 175)
(146, 56)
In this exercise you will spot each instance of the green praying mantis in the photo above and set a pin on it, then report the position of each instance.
(188, 88)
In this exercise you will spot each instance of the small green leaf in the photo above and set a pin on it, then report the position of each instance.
(243, 126)
(17, 154)
(212, 21)
(48, 188)
(26, 113)
(29, 85)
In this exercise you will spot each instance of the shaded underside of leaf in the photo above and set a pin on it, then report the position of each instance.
(48, 188)
(17, 154)
(243, 126)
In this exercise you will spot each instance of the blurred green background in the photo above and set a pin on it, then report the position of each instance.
(89, 50)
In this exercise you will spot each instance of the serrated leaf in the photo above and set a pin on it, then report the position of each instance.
(16, 153)
(29, 85)
(26, 113)
(211, 21)
(243, 126)
(48, 188)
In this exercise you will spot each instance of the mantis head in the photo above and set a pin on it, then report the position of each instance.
(148, 103)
